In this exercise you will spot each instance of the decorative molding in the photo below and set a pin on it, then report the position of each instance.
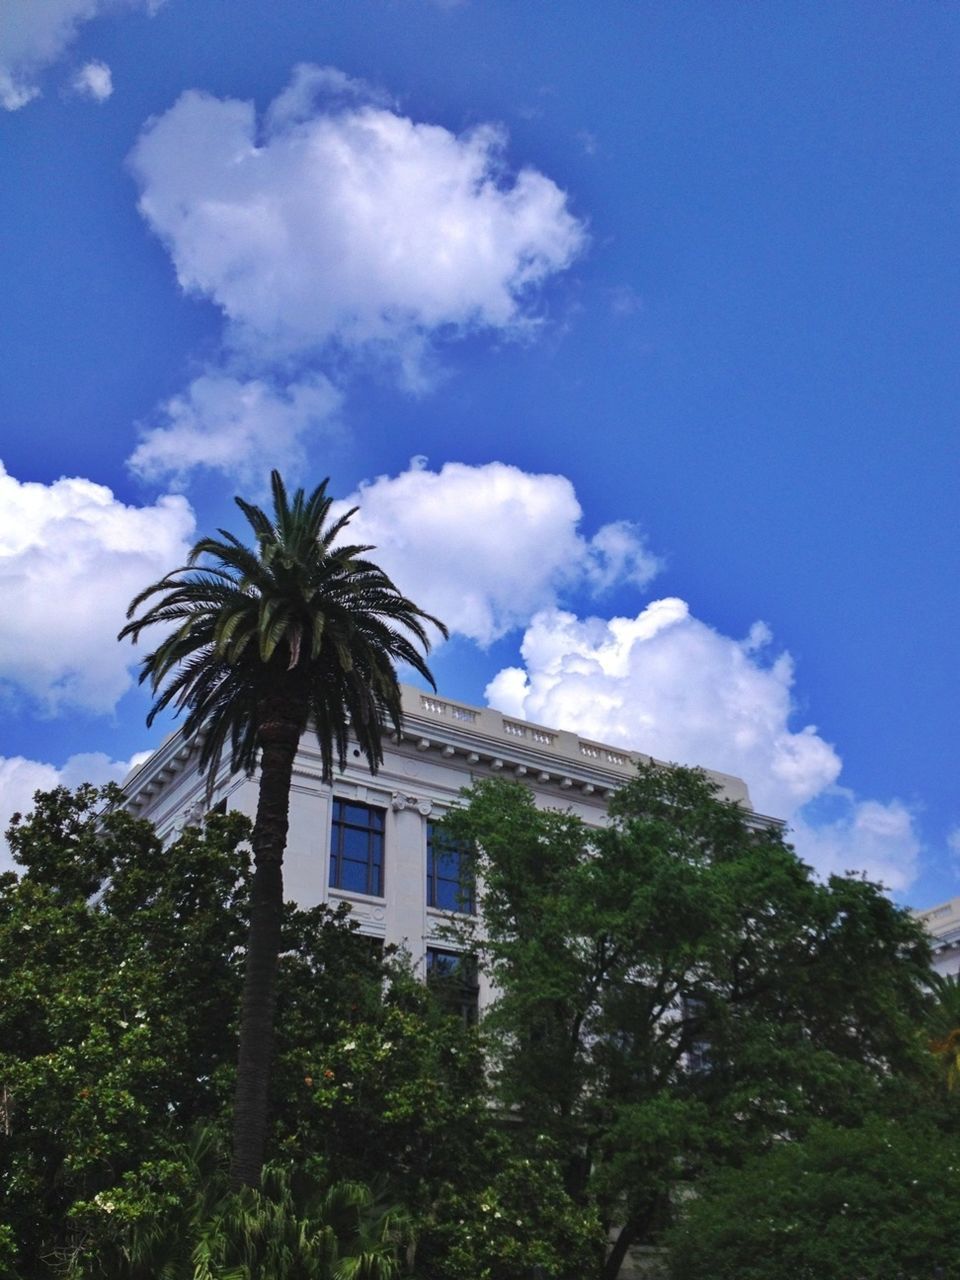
(299, 771)
(193, 813)
(399, 802)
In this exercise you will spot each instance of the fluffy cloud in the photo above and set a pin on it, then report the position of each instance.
(485, 547)
(71, 559)
(21, 778)
(34, 33)
(339, 220)
(234, 426)
(94, 80)
(869, 836)
(667, 684)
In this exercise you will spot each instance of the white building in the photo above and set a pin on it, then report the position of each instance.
(943, 925)
(366, 839)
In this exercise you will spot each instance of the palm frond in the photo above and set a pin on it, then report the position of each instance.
(299, 611)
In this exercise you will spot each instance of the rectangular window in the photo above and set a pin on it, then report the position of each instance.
(356, 848)
(697, 1057)
(452, 976)
(450, 884)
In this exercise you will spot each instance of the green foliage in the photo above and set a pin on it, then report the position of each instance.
(120, 974)
(676, 989)
(521, 1223)
(8, 1253)
(118, 987)
(180, 1220)
(869, 1203)
(678, 1000)
(402, 1095)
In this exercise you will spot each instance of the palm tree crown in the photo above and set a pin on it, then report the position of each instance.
(297, 615)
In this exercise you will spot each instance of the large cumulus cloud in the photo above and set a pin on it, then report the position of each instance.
(338, 218)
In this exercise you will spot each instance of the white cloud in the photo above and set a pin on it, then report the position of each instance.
(21, 778)
(669, 685)
(237, 427)
(484, 547)
(339, 220)
(71, 559)
(33, 35)
(94, 80)
(869, 836)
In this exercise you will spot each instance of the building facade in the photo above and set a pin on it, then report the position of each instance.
(368, 840)
(943, 925)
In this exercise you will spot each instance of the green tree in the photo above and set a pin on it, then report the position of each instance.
(266, 642)
(120, 972)
(515, 1222)
(867, 1203)
(677, 990)
(400, 1095)
(119, 982)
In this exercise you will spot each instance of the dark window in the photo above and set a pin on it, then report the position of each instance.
(452, 976)
(698, 1053)
(450, 884)
(356, 848)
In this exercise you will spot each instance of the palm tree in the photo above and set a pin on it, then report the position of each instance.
(265, 643)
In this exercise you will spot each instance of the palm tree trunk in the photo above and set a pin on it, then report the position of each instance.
(279, 736)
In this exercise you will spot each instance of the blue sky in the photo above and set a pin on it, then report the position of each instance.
(632, 327)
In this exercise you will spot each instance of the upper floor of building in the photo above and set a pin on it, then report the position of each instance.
(942, 922)
(367, 839)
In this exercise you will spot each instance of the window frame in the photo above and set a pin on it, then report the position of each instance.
(375, 830)
(464, 882)
(456, 987)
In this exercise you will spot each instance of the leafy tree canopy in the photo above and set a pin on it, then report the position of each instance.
(677, 990)
(867, 1203)
(678, 1000)
(120, 975)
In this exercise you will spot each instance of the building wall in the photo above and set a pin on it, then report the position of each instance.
(446, 745)
(943, 924)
